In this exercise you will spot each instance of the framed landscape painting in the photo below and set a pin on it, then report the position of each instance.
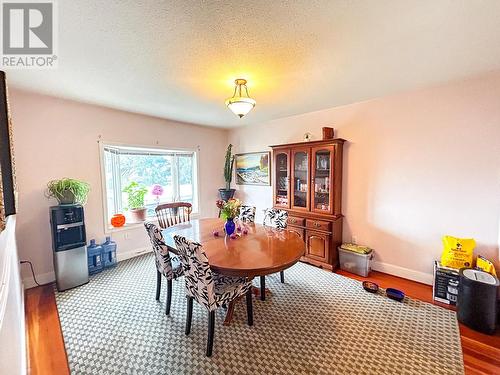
(252, 168)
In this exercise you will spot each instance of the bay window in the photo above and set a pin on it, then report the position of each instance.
(168, 176)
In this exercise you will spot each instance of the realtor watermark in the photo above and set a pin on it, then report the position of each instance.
(29, 34)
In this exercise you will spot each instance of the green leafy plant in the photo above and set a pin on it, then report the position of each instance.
(228, 167)
(136, 193)
(68, 191)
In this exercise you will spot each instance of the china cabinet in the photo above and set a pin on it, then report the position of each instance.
(307, 182)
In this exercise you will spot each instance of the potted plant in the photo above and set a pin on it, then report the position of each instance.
(68, 191)
(136, 193)
(227, 193)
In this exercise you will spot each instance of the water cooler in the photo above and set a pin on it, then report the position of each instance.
(69, 246)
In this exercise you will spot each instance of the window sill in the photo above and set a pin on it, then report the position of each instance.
(133, 226)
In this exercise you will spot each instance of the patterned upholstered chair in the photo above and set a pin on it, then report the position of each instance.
(277, 219)
(209, 289)
(166, 266)
(247, 213)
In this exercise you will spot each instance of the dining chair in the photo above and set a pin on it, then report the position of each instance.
(247, 213)
(209, 289)
(166, 266)
(169, 214)
(275, 218)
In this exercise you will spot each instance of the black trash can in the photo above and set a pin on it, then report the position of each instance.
(477, 300)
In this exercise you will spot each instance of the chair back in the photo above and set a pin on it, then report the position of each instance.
(275, 218)
(197, 272)
(169, 214)
(160, 249)
(247, 213)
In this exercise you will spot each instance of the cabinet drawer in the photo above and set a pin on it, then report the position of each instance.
(319, 225)
(295, 220)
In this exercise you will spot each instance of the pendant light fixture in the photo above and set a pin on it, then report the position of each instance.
(240, 103)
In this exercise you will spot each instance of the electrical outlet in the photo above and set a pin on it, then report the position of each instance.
(354, 239)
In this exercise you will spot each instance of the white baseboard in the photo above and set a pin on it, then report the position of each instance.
(50, 277)
(133, 253)
(406, 273)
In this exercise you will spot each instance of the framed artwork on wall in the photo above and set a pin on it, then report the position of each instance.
(253, 168)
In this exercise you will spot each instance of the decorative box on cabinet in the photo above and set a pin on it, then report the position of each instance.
(307, 182)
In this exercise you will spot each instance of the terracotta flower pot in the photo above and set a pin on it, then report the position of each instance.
(138, 214)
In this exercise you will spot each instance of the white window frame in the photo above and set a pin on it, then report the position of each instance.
(108, 228)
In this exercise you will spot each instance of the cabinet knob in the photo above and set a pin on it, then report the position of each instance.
(316, 224)
(293, 221)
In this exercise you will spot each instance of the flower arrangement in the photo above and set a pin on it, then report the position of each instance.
(240, 230)
(157, 190)
(229, 209)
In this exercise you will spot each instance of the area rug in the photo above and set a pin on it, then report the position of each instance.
(317, 322)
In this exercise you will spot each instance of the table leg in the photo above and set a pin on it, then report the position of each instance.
(229, 313)
(256, 291)
(230, 306)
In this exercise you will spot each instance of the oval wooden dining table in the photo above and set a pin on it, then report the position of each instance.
(262, 251)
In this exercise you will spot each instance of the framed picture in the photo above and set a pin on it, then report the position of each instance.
(253, 168)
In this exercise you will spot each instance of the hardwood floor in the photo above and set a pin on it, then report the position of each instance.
(47, 354)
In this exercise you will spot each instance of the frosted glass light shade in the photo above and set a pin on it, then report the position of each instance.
(240, 106)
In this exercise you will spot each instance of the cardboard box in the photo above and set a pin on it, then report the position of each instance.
(445, 285)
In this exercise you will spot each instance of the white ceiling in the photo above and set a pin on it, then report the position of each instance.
(177, 59)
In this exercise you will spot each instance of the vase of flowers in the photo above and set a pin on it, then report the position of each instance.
(228, 211)
(157, 191)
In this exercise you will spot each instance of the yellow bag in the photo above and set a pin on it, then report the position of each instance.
(485, 265)
(457, 252)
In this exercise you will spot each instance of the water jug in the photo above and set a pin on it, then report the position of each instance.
(95, 257)
(109, 248)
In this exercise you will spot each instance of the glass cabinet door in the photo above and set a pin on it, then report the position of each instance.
(322, 173)
(300, 181)
(281, 182)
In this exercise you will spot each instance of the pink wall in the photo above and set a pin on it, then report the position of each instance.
(418, 165)
(57, 138)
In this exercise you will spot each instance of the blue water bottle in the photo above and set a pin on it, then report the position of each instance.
(109, 248)
(95, 257)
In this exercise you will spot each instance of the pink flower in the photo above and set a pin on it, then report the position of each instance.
(157, 190)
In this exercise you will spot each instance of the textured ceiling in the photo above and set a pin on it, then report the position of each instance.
(178, 59)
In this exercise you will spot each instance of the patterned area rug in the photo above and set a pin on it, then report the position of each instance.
(316, 323)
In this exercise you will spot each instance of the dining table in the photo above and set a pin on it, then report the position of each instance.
(254, 250)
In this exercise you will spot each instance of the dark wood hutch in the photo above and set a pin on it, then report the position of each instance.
(307, 182)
